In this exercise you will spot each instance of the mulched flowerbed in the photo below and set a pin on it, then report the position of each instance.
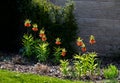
(15, 62)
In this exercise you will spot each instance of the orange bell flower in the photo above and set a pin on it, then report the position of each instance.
(79, 42)
(83, 48)
(27, 23)
(44, 38)
(63, 52)
(92, 40)
(42, 33)
(35, 27)
(58, 41)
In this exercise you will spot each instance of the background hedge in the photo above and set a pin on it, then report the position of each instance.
(58, 21)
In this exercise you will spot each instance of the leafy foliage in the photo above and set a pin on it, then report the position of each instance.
(42, 51)
(111, 72)
(35, 48)
(58, 21)
(64, 67)
(28, 44)
(57, 55)
(83, 65)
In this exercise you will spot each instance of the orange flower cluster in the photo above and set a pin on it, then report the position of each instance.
(35, 29)
(42, 35)
(58, 42)
(28, 24)
(80, 42)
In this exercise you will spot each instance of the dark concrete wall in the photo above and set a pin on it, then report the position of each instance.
(98, 17)
(102, 19)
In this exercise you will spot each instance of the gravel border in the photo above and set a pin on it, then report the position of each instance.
(15, 62)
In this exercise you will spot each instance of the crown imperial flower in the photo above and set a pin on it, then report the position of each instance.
(35, 27)
(63, 52)
(27, 23)
(42, 33)
(44, 38)
(92, 40)
(58, 41)
(79, 42)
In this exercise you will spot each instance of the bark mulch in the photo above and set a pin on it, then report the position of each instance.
(15, 62)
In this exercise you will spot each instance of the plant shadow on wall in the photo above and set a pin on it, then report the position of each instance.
(57, 21)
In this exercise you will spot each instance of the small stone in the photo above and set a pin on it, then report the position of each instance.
(41, 68)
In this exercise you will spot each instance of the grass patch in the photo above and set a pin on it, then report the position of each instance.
(17, 77)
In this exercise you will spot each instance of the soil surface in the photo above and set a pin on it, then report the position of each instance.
(16, 62)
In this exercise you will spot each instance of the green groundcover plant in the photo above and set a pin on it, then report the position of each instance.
(111, 72)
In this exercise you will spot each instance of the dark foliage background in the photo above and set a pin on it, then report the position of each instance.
(58, 22)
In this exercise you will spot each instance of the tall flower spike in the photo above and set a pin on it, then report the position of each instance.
(92, 40)
(27, 23)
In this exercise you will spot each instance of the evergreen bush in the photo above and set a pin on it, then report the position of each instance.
(58, 21)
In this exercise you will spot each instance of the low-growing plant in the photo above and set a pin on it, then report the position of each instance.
(85, 64)
(42, 51)
(64, 67)
(57, 55)
(78, 68)
(110, 72)
(28, 45)
(92, 62)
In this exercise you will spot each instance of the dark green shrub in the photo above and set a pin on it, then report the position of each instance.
(58, 21)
